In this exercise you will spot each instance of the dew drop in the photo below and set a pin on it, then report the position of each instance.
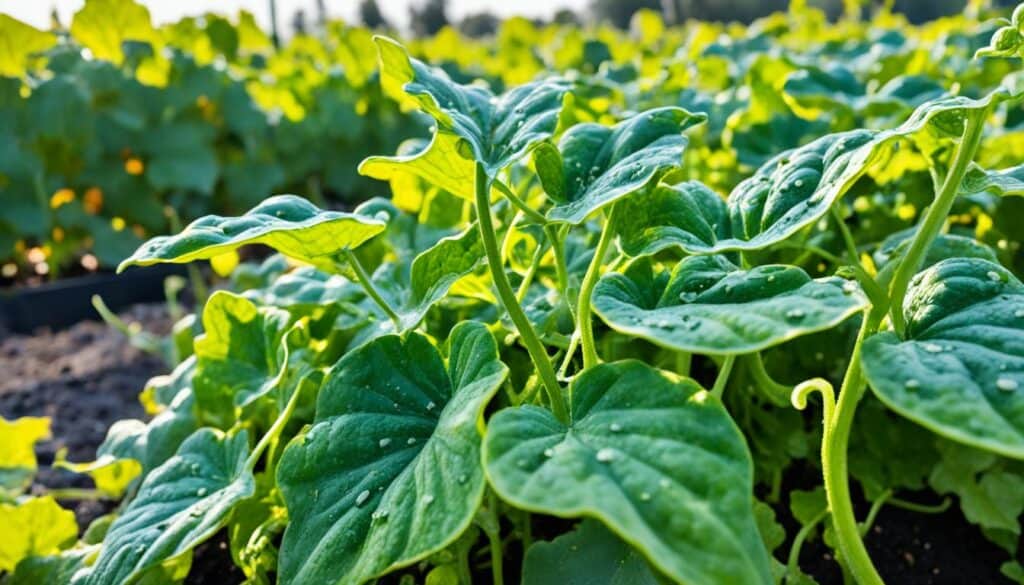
(933, 348)
(428, 499)
(463, 478)
(771, 278)
(688, 297)
(362, 497)
(201, 492)
(912, 384)
(795, 314)
(431, 406)
(549, 452)
(994, 276)
(849, 287)
(646, 497)
(410, 441)
(664, 483)
(606, 455)
(379, 514)
(384, 442)
(1019, 313)
(615, 427)
(1007, 384)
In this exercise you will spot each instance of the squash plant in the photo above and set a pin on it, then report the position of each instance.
(579, 330)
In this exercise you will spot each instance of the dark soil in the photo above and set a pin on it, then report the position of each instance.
(908, 548)
(84, 378)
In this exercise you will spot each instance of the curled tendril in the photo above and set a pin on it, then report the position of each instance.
(828, 396)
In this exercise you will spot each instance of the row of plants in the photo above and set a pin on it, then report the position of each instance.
(564, 351)
(116, 133)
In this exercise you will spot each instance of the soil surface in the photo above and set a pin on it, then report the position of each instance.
(87, 377)
(84, 378)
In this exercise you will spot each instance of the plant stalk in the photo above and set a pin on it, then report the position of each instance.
(724, 372)
(507, 296)
(935, 219)
(367, 283)
(834, 462)
(583, 317)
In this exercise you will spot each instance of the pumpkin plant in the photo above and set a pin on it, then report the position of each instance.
(581, 338)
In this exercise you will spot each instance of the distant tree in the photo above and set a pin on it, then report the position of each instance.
(299, 22)
(429, 19)
(566, 16)
(478, 25)
(619, 12)
(370, 14)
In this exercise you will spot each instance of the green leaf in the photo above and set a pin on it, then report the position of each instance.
(389, 473)
(241, 356)
(589, 555)
(653, 456)
(688, 215)
(710, 306)
(439, 163)
(103, 25)
(960, 369)
(181, 504)
(18, 439)
(18, 42)
(37, 526)
(55, 569)
(1002, 182)
(990, 496)
(944, 246)
(601, 165)
(287, 223)
(499, 130)
(435, 270)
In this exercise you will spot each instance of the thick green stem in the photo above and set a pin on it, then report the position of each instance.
(507, 296)
(724, 371)
(935, 218)
(684, 360)
(533, 214)
(834, 463)
(493, 531)
(584, 320)
(367, 283)
(776, 392)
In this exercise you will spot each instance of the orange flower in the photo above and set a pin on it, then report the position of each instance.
(93, 200)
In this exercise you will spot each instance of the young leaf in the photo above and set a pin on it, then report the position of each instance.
(59, 568)
(499, 130)
(708, 305)
(589, 555)
(289, 224)
(37, 526)
(688, 215)
(960, 369)
(389, 473)
(653, 456)
(181, 504)
(439, 163)
(601, 165)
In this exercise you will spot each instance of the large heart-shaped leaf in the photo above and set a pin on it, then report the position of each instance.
(653, 456)
(20, 42)
(289, 224)
(499, 130)
(688, 215)
(181, 504)
(389, 473)
(710, 306)
(960, 368)
(601, 165)
(589, 555)
(796, 188)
